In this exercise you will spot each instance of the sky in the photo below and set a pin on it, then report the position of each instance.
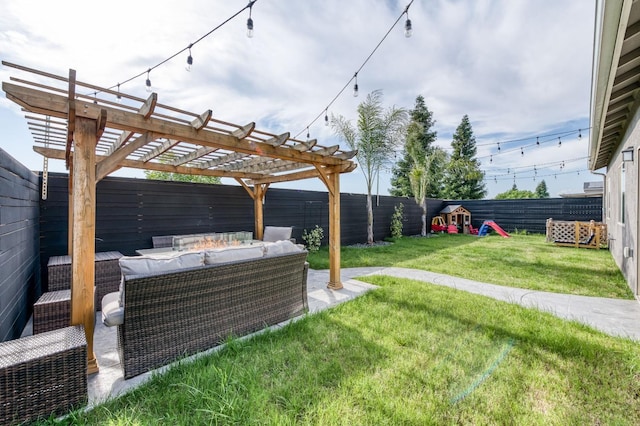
(520, 69)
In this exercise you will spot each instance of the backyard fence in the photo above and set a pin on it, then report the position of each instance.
(130, 212)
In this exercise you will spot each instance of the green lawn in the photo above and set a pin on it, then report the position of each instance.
(406, 353)
(415, 353)
(524, 261)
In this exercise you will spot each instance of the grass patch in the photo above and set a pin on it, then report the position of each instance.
(406, 353)
(523, 261)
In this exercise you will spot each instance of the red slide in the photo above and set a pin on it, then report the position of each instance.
(497, 228)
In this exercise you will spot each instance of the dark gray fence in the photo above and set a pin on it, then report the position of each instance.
(531, 215)
(131, 211)
(19, 254)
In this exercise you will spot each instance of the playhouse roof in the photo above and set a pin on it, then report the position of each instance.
(452, 208)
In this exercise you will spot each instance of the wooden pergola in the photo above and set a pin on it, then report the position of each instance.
(96, 135)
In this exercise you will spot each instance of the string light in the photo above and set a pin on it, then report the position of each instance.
(250, 21)
(559, 142)
(308, 134)
(491, 159)
(326, 117)
(148, 82)
(537, 140)
(579, 133)
(498, 146)
(189, 59)
(521, 152)
(408, 29)
(346, 86)
(355, 86)
(119, 96)
(248, 6)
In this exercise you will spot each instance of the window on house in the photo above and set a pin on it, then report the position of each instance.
(622, 193)
(608, 199)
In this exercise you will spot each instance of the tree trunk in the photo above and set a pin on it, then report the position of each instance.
(369, 219)
(424, 217)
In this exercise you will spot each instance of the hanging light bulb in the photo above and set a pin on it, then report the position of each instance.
(326, 118)
(495, 180)
(559, 142)
(189, 59)
(579, 133)
(408, 29)
(119, 96)
(498, 146)
(355, 86)
(250, 21)
(95, 94)
(521, 152)
(491, 159)
(148, 82)
(537, 141)
(308, 135)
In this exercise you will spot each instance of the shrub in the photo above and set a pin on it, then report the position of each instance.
(313, 238)
(396, 221)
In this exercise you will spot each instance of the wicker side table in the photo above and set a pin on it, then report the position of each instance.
(107, 275)
(52, 311)
(43, 375)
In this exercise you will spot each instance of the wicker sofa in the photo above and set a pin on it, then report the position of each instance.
(178, 313)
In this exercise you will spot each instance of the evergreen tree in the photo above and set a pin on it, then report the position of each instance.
(463, 178)
(541, 190)
(420, 136)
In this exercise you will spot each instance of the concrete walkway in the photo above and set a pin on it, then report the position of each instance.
(613, 316)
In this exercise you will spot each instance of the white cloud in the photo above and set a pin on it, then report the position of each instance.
(517, 68)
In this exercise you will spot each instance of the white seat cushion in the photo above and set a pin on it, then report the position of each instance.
(112, 312)
(276, 233)
(232, 254)
(281, 247)
(154, 264)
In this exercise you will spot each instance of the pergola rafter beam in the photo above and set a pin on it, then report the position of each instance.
(137, 164)
(55, 105)
(145, 110)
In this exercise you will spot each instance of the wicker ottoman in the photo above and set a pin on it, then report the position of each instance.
(43, 375)
(107, 276)
(52, 311)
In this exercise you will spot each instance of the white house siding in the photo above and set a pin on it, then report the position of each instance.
(625, 234)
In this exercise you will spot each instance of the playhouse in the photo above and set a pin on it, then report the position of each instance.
(458, 216)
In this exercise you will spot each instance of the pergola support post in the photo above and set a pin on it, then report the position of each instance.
(259, 191)
(83, 243)
(335, 283)
(70, 214)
